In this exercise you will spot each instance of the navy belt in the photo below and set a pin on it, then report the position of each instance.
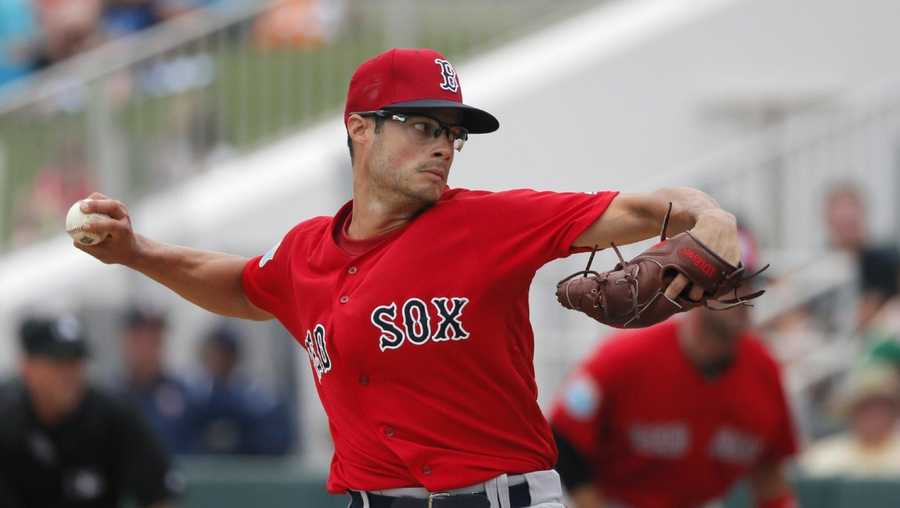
(519, 497)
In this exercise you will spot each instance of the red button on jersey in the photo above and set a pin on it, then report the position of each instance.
(352, 270)
(440, 319)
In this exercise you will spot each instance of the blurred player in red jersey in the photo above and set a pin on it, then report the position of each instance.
(412, 300)
(673, 415)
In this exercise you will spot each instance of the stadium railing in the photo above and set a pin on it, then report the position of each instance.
(778, 175)
(145, 112)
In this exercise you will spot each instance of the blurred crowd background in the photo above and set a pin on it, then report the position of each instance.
(217, 121)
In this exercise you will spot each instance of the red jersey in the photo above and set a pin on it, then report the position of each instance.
(420, 342)
(659, 434)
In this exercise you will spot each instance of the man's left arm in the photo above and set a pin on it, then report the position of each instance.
(770, 488)
(634, 217)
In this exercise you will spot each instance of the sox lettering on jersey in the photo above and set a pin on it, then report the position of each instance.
(668, 440)
(318, 351)
(735, 446)
(673, 439)
(415, 322)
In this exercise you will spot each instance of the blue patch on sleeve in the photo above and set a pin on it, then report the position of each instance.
(581, 398)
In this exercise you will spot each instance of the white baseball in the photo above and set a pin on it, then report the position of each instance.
(75, 219)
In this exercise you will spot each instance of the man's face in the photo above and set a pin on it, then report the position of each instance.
(143, 351)
(726, 325)
(718, 331)
(846, 220)
(219, 361)
(57, 385)
(404, 162)
(875, 418)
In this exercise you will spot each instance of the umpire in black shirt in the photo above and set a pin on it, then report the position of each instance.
(63, 443)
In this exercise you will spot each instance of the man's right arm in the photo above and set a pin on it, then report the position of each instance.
(211, 280)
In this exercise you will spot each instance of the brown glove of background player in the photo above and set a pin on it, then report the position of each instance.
(633, 294)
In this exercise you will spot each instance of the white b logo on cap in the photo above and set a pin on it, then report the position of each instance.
(448, 73)
(68, 329)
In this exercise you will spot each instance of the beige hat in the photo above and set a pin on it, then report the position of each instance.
(873, 380)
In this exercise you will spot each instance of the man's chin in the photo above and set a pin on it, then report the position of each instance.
(431, 195)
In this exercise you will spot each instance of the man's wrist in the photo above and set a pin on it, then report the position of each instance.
(716, 215)
(141, 258)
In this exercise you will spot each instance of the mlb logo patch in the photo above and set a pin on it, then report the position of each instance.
(270, 255)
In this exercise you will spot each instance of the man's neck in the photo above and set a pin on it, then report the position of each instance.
(374, 215)
(46, 414)
(692, 338)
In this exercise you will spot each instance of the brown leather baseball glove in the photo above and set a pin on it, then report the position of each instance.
(632, 295)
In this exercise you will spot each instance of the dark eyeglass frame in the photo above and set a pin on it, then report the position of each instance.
(458, 142)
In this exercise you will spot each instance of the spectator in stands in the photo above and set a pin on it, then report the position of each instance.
(123, 17)
(886, 349)
(878, 265)
(69, 27)
(232, 416)
(18, 33)
(61, 181)
(870, 401)
(298, 24)
(163, 398)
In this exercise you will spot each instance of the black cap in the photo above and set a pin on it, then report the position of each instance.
(61, 338)
(139, 315)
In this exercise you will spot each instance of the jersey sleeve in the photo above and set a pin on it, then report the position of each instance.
(147, 472)
(538, 225)
(266, 279)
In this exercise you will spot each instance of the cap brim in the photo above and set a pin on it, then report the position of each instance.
(477, 121)
(62, 352)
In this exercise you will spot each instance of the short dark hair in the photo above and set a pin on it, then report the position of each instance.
(379, 123)
(140, 315)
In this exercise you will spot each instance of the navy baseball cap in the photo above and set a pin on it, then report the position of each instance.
(225, 336)
(143, 316)
(405, 80)
(61, 338)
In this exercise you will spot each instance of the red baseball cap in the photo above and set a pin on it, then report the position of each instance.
(411, 80)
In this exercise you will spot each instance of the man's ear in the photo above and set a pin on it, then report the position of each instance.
(358, 129)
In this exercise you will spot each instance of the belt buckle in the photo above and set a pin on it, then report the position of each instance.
(436, 495)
